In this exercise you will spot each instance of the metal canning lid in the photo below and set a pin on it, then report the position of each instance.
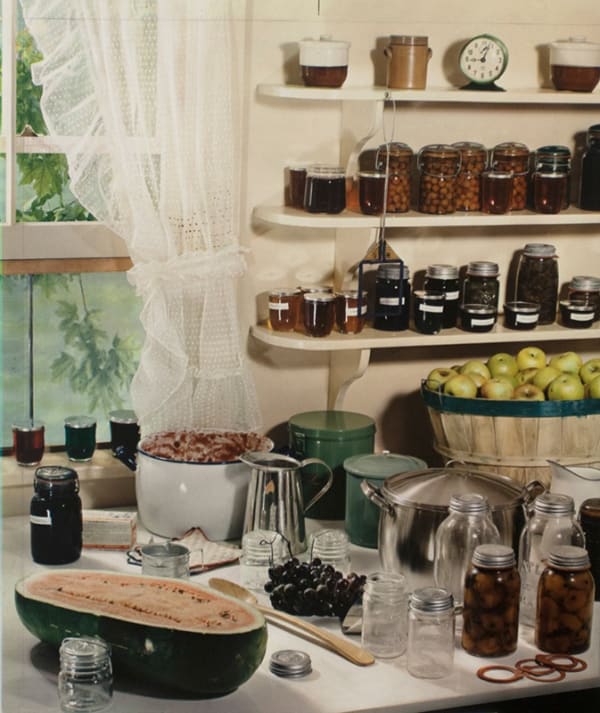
(323, 171)
(28, 425)
(578, 306)
(123, 416)
(500, 556)
(352, 294)
(469, 503)
(289, 662)
(585, 282)
(523, 307)
(315, 288)
(443, 272)
(539, 250)
(389, 271)
(478, 309)
(49, 477)
(568, 556)
(319, 297)
(554, 504)
(80, 421)
(510, 148)
(483, 268)
(431, 599)
(284, 291)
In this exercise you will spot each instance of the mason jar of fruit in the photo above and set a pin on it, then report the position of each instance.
(565, 602)
(514, 157)
(439, 166)
(491, 602)
(468, 182)
(395, 159)
(537, 279)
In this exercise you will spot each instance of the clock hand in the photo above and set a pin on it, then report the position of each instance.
(484, 52)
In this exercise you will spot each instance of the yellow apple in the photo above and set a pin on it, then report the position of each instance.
(545, 376)
(497, 389)
(594, 388)
(567, 362)
(566, 387)
(526, 376)
(512, 380)
(502, 364)
(475, 366)
(531, 358)
(477, 378)
(438, 377)
(590, 370)
(528, 392)
(461, 385)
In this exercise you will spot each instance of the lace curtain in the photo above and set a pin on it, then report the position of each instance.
(146, 88)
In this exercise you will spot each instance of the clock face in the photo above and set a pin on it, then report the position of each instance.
(483, 59)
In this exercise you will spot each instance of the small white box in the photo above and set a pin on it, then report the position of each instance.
(109, 529)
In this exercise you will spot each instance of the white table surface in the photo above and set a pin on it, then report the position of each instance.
(29, 668)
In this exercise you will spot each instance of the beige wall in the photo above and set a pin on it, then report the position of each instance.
(280, 131)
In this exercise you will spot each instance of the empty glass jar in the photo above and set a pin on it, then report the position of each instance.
(430, 649)
(85, 681)
(384, 628)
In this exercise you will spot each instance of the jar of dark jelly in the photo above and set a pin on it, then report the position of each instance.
(477, 318)
(55, 516)
(124, 431)
(325, 189)
(392, 297)
(319, 313)
(521, 315)
(429, 311)
(590, 171)
(576, 314)
(537, 279)
(481, 286)
(551, 179)
(586, 289)
(444, 278)
(589, 519)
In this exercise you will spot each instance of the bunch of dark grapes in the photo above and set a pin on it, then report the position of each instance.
(313, 588)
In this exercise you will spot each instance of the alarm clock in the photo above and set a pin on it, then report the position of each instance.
(483, 60)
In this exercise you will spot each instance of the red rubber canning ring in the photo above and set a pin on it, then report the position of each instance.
(575, 666)
(483, 673)
(545, 677)
(533, 666)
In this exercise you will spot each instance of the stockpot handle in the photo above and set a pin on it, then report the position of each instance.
(532, 490)
(326, 487)
(375, 496)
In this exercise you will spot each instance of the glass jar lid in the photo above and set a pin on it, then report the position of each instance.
(594, 132)
(510, 149)
(51, 477)
(442, 272)
(585, 282)
(569, 557)
(431, 599)
(560, 154)
(500, 556)
(470, 149)
(483, 268)
(554, 504)
(83, 653)
(469, 503)
(539, 250)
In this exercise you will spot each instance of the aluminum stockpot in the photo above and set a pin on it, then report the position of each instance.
(414, 504)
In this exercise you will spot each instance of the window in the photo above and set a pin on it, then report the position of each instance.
(59, 266)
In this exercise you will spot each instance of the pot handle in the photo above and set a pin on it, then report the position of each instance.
(325, 488)
(126, 457)
(532, 490)
(375, 496)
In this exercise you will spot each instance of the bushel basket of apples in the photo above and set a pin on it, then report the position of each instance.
(512, 413)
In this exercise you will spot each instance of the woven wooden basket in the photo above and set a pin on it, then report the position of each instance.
(514, 438)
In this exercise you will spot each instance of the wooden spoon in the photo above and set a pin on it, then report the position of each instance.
(344, 648)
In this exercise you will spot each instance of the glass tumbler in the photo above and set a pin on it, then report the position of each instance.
(28, 441)
(80, 437)
(384, 628)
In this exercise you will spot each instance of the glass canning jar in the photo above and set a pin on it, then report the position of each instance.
(551, 179)
(439, 166)
(514, 157)
(331, 547)
(589, 517)
(537, 279)
(284, 303)
(444, 278)
(481, 286)
(586, 289)
(325, 189)
(384, 627)
(85, 681)
(468, 182)
(491, 602)
(565, 602)
(319, 313)
(395, 159)
(431, 624)
(392, 297)
(552, 523)
(350, 311)
(589, 196)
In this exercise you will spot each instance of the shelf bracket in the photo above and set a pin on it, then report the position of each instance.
(345, 367)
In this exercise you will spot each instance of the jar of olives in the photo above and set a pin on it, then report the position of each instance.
(514, 157)
(537, 279)
(395, 159)
(439, 165)
(468, 183)
(565, 602)
(491, 602)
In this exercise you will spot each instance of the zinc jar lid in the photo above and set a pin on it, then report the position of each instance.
(49, 477)
(290, 663)
(431, 599)
(554, 504)
(80, 421)
(28, 425)
(483, 268)
(500, 556)
(320, 170)
(539, 250)
(443, 272)
(585, 282)
(469, 503)
(123, 416)
(522, 307)
(381, 465)
(567, 556)
(319, 297)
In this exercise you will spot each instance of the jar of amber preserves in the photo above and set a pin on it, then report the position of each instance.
(468, 182)
(284, 303)
(439, 166)
(565, 602)
(395, 159)
(491, 602)
(514, 157)
(350, 311)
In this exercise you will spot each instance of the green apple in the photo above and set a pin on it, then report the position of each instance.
(566, 387)
(567, 362)
(477, 378)
(475, 366)
(545, 376)
(502, 364)
(594, 388)
(531, 358)
(498, 389)
(512, 380)
(590, 370)
(461, 385)
(438, 377)
(526, 376)
(528, 392)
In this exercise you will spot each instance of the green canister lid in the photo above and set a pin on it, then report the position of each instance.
(332, 425)
(381, 465)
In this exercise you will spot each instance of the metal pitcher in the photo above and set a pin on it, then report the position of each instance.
(274, 500)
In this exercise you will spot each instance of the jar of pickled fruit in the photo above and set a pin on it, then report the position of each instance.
(439, 166)
(537, 279)
(565, 602)
(395, 159)
(491, 602)
(468, 183)
(514, 157)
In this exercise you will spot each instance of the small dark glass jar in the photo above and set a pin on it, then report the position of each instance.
(325, 189)
(590, 171)
(55, 516)
(481, 286)
(537, 279)
(429, 311)
(586, 289)
(551, 179)
(521, 315)
(124, 431)
(589, 519)
(477, 318)
(576, 314)
(514, 157)
(319, 313)
(392, 297)
(444, 278)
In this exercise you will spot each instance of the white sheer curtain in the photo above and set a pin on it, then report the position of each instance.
(149, 87)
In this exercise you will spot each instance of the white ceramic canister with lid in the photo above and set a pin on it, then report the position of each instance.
(324, 62)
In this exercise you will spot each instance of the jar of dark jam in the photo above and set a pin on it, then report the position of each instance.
(481, 286)
(491, 602)
(576, 314)
(439, 166)
(392, 297)
(590, 171)
(325, 189)
(586, 289)
(565, 602)
(444, 278)
(371, 192)
(55, 516)
(284, 303)
(589, 519)
(350, 311)
(477, 318)
(319, 313)
(306, 290)
(514, 157)
(124, 431)
(468, 183)
(429, 311)
(521, 315)
(554, 161)
(537, 279)
(395, 159)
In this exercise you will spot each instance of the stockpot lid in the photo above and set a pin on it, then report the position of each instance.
(431, 489)
(381, 465)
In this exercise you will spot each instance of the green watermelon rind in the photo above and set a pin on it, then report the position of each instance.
(206, 664)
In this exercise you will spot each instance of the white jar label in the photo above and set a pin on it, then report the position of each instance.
(351, 311)
(279, 306)
(451, 296)
(436, 309)
(393, 301)
(526, 318)
(482, 322)
(578, 317)
(41, 519)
